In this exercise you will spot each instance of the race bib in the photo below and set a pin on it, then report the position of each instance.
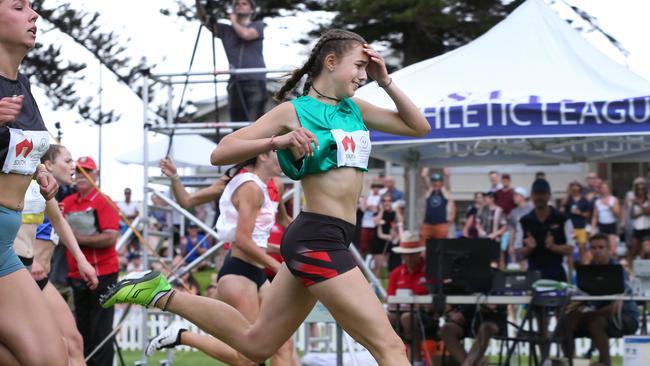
(34, 201)
(25, 151)
(352, 148)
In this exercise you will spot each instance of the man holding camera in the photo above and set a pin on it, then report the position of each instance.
(243, 42)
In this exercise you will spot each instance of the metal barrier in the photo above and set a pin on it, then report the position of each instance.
(128, 235)
(129, 336)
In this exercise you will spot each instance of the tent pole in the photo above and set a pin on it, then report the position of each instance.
(413, 176)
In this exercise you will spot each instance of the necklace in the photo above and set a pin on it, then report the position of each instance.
(325, 96)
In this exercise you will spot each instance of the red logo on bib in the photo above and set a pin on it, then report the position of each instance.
(24, 148)
(348, 143)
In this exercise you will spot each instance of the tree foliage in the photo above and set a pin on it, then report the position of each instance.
(58, 74)
(420, 29)
(413, 30)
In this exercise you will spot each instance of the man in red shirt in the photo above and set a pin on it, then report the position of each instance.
(96, 227)
(410, 278)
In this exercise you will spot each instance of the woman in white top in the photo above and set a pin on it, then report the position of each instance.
(606, 211)
(24, 245)
(247, 216)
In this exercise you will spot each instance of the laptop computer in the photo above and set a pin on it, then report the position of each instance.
(514, 282)
(601, 279)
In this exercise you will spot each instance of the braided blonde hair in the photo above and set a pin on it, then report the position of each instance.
(337, 41)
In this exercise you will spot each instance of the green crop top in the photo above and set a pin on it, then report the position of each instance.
(342, 136)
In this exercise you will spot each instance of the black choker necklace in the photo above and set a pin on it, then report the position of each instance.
(325, 96)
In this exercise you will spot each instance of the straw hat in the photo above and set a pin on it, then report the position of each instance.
(410, 243)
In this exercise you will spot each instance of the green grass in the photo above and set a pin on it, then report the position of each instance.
(195, 358)
(192, 358)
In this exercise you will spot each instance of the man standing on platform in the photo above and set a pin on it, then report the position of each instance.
(242, 40)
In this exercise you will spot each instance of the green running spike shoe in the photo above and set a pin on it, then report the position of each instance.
(142, 288)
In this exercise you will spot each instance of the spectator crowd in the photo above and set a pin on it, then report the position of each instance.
(533, 229)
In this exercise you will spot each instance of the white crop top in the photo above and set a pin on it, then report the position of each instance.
(34, 200)
(227, 222)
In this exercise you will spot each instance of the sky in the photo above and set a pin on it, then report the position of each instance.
(168, 42)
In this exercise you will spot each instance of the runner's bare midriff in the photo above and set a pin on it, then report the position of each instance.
(334, 193)
(12, 190)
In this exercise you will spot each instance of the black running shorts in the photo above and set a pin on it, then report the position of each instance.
(315, 247)
(27, 262)
(235, 266)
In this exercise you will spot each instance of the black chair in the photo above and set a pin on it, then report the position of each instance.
(545, 306)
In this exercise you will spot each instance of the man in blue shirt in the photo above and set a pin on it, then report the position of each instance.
(191, 240)
(601, 319)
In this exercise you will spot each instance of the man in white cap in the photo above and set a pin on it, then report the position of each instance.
(410, 277)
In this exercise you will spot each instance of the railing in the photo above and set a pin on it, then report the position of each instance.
(129, 336)
(128, 235)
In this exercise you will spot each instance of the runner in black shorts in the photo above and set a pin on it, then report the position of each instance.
(315, 247)
(322, 140)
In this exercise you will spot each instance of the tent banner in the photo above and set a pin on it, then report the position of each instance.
(525, 151)
(536, 119)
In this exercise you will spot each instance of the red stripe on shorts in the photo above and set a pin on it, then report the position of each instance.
(323, 256)
(316, 270)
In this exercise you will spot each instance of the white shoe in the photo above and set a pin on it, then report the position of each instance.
(168, 338)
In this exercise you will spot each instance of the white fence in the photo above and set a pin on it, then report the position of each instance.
(324, 341)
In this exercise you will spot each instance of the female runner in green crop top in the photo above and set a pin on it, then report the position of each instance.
(339, 63)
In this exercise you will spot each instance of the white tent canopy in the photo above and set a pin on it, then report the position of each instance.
(187, 151)
(531, 90)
